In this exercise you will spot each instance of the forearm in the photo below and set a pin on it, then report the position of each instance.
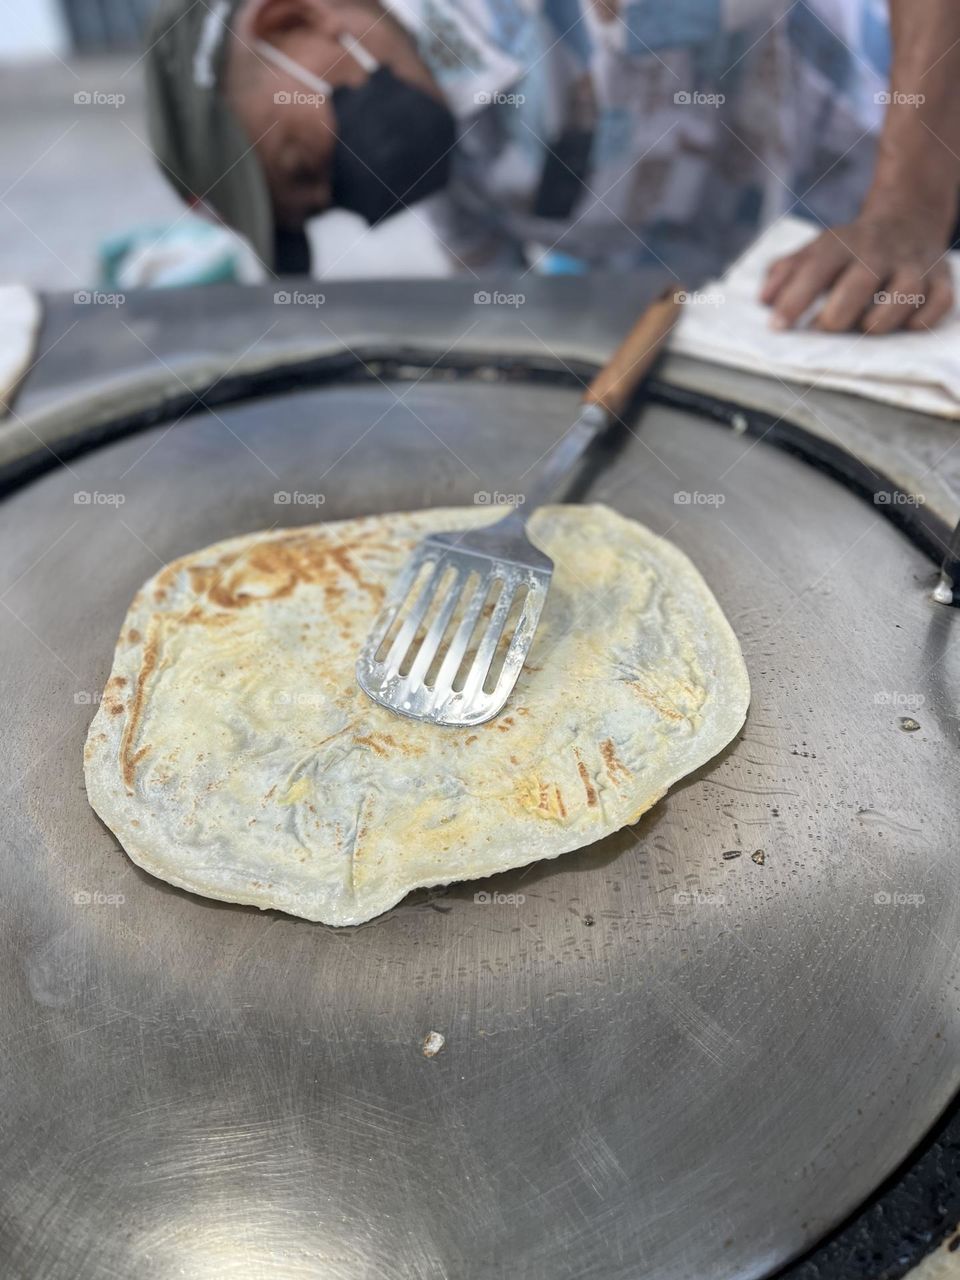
(918, 160)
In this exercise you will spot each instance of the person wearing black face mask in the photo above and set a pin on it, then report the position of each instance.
(265, 112)
(393, 139)
(589, 134)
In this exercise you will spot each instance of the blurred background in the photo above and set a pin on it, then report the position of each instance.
(76, 166)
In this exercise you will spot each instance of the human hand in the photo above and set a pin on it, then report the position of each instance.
(886, 270)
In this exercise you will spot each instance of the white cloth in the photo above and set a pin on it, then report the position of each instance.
(724, 322)
(20, 314)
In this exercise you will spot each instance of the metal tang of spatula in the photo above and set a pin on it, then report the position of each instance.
(468, 598)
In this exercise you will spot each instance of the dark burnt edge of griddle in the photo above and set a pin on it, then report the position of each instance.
(925, 530)
(889, 1214)
(893, 1231)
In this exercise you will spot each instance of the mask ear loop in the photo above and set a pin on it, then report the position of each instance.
(279, 59)
(294, 69)
(356, 50)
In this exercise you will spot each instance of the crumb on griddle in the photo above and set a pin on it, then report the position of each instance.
(432, 1044)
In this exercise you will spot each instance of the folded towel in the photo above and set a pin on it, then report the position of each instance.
(724, 322)
(20, 313)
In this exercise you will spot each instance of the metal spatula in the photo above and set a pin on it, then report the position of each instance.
(441, 649)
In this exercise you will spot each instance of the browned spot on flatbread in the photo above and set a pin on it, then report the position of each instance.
(504, 725)
(615, 766)
(273, 569)
(133, 636)
(551, 799)
(134, 761)
(545, 799)
(341, 557)
(116, 708)
(206, 618)
(119, 681)
(128, 760)
(384, 743)
(655, 699)
(588, 786)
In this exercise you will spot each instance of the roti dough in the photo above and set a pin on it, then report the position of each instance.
(234, 754)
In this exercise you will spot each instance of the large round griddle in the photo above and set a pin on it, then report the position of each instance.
(667, 1062)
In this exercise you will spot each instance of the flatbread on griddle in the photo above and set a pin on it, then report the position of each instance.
(234, 754)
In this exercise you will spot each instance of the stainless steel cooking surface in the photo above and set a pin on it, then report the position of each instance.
(687, 1052)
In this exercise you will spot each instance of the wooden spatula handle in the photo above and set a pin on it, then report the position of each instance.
(628, 366)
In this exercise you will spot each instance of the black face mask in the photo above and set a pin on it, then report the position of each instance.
(394, 145)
